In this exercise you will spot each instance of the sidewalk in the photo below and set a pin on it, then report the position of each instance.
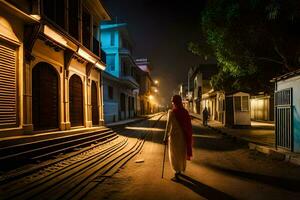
(260, 137)
(260, 133)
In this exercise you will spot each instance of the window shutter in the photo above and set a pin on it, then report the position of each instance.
(8, 88)
(245, 103)
(237, 103)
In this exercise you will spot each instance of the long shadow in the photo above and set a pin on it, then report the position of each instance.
(279, 182)
(202, 189)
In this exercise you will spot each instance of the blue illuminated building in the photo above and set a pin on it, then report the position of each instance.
(119, 78)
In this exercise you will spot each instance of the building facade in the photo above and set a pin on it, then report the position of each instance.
(287, 111)
(148, 92)
(120, 84)
(199, 87)
(50, 65)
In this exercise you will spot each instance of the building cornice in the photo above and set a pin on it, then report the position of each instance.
(31, 19)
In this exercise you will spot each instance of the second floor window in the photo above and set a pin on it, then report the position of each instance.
(110, 62)
(73, 12)
(110, 92)
(112, 39)
(124, 70)
(86, 29)
(55, 11)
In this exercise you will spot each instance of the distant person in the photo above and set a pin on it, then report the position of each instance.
(178, 135)
(205, 116)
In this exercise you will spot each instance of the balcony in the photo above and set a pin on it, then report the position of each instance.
(129, 81)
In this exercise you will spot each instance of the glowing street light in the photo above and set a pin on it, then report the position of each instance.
(156, 82)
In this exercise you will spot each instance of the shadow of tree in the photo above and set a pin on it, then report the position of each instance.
(202, 189)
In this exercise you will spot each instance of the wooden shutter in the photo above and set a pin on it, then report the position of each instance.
(95, 110)
(76, 101)
(44, 97)
(8, 86)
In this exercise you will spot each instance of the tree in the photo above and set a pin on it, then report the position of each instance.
(255, 39)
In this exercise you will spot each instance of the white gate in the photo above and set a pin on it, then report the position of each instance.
(283, 118)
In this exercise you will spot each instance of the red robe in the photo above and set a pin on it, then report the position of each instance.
(183, 118)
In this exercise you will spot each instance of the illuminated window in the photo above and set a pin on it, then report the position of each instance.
(241, 103)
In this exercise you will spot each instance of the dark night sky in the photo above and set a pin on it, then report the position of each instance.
(161, 30)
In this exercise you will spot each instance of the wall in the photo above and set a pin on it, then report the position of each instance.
(106, 46)
(11, 32)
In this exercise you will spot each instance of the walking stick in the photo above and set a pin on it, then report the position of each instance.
(163, 166)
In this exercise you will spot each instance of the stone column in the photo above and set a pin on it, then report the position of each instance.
(100, 96)
(27, 99)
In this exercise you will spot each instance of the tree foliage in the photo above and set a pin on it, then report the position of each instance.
(255, 39)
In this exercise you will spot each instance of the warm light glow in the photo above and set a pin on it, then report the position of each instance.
(151, 97)
(55, 36)
(144, 129)
(156, 81)
(86, 56)
(38, 17)
(100, 66)
(156, 90)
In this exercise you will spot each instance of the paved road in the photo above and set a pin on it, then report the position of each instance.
(220, 169)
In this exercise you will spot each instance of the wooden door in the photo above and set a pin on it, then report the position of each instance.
(95, 110)
(76, 101)
(44, 97)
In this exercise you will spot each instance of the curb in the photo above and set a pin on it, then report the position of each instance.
(275, 154)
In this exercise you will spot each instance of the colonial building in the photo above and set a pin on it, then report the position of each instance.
(148, 88)
(120, 84)
(199, 84)
(50, 65)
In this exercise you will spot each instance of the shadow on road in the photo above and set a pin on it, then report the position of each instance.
(283, 183)
(202, 189)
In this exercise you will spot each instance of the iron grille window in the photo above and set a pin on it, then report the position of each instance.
(283, 97)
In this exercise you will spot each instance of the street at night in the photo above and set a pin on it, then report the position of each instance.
(220, 169)
(144, 99)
